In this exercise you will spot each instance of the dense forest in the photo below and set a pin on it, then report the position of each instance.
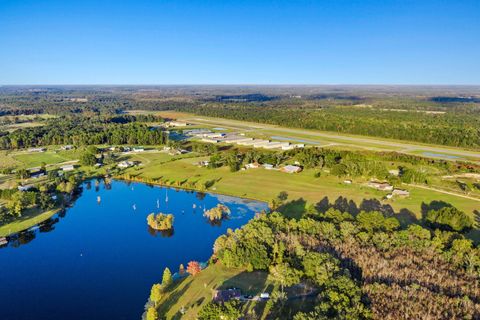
(80, 131)
(363, 264)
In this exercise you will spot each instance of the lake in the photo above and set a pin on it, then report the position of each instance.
(98, 260)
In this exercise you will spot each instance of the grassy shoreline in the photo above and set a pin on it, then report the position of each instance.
(27, 221)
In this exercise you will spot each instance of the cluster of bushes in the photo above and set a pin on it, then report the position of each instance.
(217, 213)
(160, 221)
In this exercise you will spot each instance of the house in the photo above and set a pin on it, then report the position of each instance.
(125, 164)
(138, 149)
(253, 165)
(37, 175)
(389, 196)
(67, 147)
(268, 166)
(37, 149)
(67, 167)
(203, 163)
(400, 192)
(383, 186)
(394, 172)
(226, 295)
(291, 169)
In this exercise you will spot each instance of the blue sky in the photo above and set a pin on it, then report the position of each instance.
(240, 42)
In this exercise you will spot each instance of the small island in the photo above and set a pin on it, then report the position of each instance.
(217, 213)
(160, 221)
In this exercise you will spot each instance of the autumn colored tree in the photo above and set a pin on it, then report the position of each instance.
(194, 268)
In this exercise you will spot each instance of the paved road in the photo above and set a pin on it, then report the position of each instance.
(358, 141)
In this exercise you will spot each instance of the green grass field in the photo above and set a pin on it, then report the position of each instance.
(265, 185)
(30, 218)
(49, 157)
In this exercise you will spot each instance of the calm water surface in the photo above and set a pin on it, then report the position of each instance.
(99, 260)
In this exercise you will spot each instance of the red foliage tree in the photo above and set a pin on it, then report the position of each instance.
(194, 268)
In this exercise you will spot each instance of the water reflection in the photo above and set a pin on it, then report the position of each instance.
(162, 233)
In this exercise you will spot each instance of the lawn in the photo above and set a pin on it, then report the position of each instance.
(7, 161)
(192, 293)
(36, 159)
(30, 218)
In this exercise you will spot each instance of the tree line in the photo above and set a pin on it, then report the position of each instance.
(81, 131)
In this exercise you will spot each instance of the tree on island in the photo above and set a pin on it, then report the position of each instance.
(217, 213)
(167, 278)
(160, 221)
(194, 268)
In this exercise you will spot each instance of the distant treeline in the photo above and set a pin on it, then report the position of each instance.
(399, 115)
(86, 131)
(445, 129)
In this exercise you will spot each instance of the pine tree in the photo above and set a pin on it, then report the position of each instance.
(167, 278)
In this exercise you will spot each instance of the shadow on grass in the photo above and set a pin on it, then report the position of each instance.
(173, 298)
(376, 205)
(293, 209)
(250, 284)
(406, 217)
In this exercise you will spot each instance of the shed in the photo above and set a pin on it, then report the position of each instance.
(67, 167)
(226, 295)
(291, 169)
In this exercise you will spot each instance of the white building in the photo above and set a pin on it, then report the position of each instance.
(276, 145)
(125, 164)
(177, 124)
(67, 167)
